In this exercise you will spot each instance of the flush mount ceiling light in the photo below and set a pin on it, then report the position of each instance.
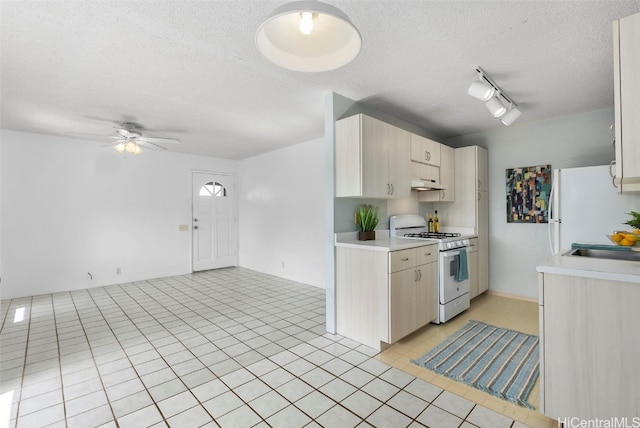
(308, 36)
(496, 101)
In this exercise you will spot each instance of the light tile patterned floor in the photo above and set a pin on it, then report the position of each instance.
(496, 310)
(229, 348)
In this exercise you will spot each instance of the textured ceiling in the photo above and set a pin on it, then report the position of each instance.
(190, 70)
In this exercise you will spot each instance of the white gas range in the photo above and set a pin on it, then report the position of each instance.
(453, 266)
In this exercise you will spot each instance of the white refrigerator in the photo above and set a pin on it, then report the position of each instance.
(585, 206)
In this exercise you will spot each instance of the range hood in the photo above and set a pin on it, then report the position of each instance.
(429, 177)
(421, 184)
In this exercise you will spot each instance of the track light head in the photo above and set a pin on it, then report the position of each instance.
(511, 116)
(481, 90)
(496, 107)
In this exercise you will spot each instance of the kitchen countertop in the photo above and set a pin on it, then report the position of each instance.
(382, 242)
(591, 267)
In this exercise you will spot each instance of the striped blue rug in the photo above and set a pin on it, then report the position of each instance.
(504, 363)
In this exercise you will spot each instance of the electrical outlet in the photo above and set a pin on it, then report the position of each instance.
(183, 227)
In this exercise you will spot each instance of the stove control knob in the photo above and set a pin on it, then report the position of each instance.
(465, 242)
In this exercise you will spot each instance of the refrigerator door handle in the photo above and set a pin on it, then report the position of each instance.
(552, 223)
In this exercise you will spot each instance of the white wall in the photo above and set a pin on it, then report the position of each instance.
(572, 141)
(282, 212)
(69, 207)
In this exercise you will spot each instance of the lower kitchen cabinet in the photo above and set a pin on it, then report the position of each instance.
(413, 291)
(427, 293)
(589, 347)
(382, 296)
(402, 307)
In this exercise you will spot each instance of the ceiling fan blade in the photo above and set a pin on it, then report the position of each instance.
(164, 140)
(80, 134)
(150, 145)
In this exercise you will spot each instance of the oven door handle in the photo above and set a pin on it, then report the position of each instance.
(450, 253)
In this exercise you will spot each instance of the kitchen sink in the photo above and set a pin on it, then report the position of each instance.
(633, 256)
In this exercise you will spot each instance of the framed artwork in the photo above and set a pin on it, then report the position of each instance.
(528, 190)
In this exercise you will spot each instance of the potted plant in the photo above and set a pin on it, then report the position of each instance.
(367, 218)
(635, 221)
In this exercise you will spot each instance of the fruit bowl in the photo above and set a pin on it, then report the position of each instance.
(625, 239)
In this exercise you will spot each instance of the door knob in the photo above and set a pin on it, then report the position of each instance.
(195, 219)
(195, 227)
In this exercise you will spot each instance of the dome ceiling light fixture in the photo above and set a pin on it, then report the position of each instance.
(497, 102)
(308, 36)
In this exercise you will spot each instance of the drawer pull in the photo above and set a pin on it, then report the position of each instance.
(404, 259)
(427, 254)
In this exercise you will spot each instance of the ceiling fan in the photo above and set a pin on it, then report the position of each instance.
(130, 139)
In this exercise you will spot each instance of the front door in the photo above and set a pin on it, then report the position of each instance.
(214, 221)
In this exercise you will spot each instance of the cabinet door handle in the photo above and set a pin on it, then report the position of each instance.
(479, 183)
(613, 176)
(442, 194)
(388, 189)
(479, 195)
(404, 259)
(427, 254)
(419, 274)
(392, 189)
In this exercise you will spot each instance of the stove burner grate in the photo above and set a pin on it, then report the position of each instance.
(432, 235)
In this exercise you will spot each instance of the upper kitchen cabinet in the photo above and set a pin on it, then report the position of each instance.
(424, 150)
(626, 69)
(372, 159)
(446, 178)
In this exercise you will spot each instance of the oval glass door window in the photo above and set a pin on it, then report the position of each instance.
(213, 189)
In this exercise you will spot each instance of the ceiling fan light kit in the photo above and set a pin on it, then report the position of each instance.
(308, 36)
(497, 102)
(124, 147)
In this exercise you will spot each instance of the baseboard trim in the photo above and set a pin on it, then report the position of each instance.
(513, 296)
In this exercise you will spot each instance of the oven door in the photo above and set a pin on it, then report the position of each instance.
(449, 288)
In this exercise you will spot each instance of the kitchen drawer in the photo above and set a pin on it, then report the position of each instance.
(473, 245)
(400, 260)
(427, 254)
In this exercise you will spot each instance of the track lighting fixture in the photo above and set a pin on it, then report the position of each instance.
(498, 104)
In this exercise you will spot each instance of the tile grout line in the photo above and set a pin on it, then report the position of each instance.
(24, 364)
(93, 357)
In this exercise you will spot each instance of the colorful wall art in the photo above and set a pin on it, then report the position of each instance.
(528, 190)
